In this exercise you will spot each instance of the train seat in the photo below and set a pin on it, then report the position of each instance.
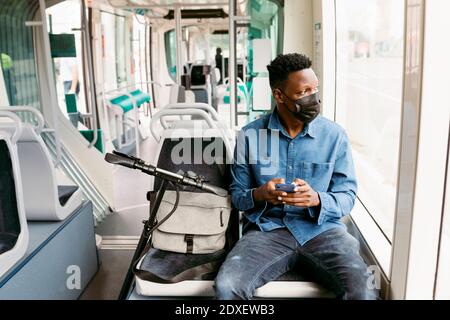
(206, 133)
(177, 94)
(195, 118)
(13, 224)
(290, 285)
(189, 96)
(44, 198)
(223, 92)
(200, 83)
(121, 122)
(125, 102)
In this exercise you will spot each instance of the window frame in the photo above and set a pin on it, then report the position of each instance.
(168, 50)
(364, 227)
(418, 223)
(410, 264)
(364, 198)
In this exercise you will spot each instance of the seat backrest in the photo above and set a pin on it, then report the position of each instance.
(38, 173)
(215, 76)
(205, 156)
(198, 77)
(13, 224)
(9, 213)
(177, 94)
(190, 96)
(201, 95)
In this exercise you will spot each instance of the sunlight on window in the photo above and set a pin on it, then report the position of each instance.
(62, 19)
(369, 97)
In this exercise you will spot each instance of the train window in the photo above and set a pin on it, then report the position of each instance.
(3, 92)
(17, 60)
(115, 46)
(62, 18)
(369, 98)
(140, 49)
(122, 46)
(171, 53)
(194, 48)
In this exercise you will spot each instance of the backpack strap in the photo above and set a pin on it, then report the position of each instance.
(189, 239)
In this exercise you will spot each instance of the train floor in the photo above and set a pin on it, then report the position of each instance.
(107, 283)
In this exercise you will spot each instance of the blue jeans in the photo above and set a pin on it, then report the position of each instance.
(332, 259)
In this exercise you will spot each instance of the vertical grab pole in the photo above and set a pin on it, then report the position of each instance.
(87, 44)
(50, 81)
(136, 122)
(232, 62)
(178, 42)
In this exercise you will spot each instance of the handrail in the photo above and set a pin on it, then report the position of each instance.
(131, 86)
(86, 38)
(135, 107)
(239, 81)
(173, 112)
(16, 136)
(201, 106)
(227, 138)
(185, 112)
(227, 79)
(39, 117)
(136, 122)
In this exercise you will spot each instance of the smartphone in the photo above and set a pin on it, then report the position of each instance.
(286, 187)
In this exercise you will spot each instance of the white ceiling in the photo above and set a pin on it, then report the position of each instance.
(131, 3)
(161, 7)
(191, 4)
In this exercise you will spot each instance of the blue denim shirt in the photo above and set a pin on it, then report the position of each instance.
(320, 155)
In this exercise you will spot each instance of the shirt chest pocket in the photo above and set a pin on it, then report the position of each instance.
(318, 174)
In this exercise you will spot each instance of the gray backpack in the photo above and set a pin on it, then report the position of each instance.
(197, 225)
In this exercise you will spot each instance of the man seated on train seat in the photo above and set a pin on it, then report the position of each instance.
(302, 229)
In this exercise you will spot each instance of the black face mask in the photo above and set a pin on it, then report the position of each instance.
(307, 108)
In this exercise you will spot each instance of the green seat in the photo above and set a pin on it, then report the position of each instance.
(241, 87)
(125, 102)
(89, 136)
(140, 97)
(226, 99)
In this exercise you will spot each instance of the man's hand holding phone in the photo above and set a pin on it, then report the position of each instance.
(304, 196)
(268, 192)
(286, 187)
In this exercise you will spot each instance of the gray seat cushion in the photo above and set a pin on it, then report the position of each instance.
(167, 265)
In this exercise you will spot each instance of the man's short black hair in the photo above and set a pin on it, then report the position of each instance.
(284, 64)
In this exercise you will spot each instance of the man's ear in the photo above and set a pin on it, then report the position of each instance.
(277, 95)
